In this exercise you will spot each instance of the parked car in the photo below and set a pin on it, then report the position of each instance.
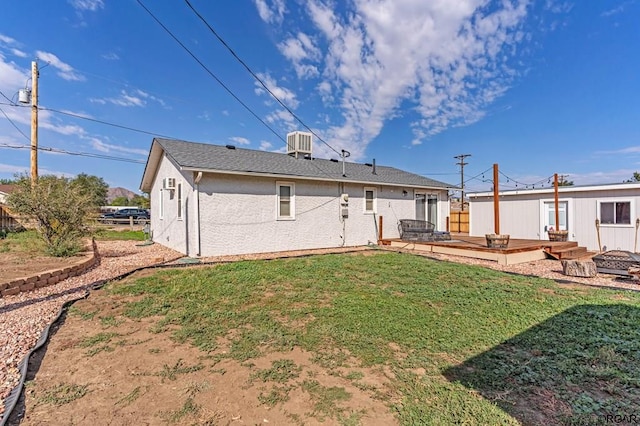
(123, 215)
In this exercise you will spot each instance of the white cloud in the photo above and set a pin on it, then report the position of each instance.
(101, 146)
(616, 10)
(111, 56)
(90, 5)
(65, 71)
(265, 146)
(298, 50)
(135, 98)
(283, 94)
(623, 151)
(13, 169)
(12, 78)
(273, 12)
(19, 53)
(283, 117)
(7, 40)
(240, 140)
(448, 61)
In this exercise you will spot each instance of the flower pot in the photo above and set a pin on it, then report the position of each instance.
(558, 235)
(497, 240)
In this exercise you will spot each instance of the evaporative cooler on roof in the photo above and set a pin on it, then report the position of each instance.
(299, 143)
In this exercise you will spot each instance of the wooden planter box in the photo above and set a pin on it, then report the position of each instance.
(558, 235)
(497, 240)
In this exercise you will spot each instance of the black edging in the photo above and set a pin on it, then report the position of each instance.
(23, 366)
(14, 395)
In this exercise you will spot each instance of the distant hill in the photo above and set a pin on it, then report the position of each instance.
(114, 193)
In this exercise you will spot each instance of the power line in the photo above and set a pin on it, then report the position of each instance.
(80, 154)
(14, 124)
(106, 123)
(210, 72)
(235, 55)
(5, 96)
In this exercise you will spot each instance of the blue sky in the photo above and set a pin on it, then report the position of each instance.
(537, 87)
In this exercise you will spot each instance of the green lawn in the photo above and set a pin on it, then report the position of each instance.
(467, 345)
(30, 244)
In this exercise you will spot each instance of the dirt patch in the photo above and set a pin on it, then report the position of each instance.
(102, 366)
(14, 265)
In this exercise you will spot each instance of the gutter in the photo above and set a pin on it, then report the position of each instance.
(196, 189)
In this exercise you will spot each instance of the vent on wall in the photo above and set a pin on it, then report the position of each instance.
(299, 143)
(169, 183)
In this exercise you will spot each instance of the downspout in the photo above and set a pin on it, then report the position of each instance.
(196, 188)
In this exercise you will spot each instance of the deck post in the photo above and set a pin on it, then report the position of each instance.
(555, 187)
(379, 228)
(496, 201)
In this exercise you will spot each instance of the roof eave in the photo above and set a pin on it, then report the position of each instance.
(310, 178)
(151, 168)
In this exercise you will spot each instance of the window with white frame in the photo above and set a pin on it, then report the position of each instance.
(285, 194)
(615, 212)
(370, 203)
(179, 197)
(161, 204)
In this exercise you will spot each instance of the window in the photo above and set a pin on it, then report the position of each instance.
(615, 212)
(161, 209)
(286, 201)
(179, 197)
(370, 200)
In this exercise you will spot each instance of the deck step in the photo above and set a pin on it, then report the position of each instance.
(567, 252)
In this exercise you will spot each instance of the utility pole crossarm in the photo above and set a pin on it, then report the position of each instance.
(461, 163)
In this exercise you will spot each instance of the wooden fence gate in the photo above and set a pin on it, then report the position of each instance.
(459, 221)
(6, 220)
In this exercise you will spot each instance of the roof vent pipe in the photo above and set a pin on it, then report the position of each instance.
(374, 167)
(345, 154)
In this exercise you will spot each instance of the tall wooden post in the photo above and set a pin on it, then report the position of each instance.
(379, 228)
(555, 190)
(34, 122)
(496, 201)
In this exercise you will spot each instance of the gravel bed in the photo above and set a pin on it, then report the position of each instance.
(546, 268)
(26, 315)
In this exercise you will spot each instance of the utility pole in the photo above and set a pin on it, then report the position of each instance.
(461, 163)
(34, 123)
(561, 179)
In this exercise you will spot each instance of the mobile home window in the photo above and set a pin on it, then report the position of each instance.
(285, 200)
(615, 213)
(370, 200)
(179, 197)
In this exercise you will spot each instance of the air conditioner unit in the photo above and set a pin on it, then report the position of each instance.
(299, 143)
(169, 183)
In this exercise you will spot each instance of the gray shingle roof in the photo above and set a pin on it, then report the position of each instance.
(208, 157)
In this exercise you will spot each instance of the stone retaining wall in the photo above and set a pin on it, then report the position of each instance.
(51, 277)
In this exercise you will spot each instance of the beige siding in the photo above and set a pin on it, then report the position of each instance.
(522, 216)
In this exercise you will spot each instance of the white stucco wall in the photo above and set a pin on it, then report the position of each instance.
(521, 216)
(235, 214)
(166, 228)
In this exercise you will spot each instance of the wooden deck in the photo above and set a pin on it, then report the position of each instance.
(517, 251)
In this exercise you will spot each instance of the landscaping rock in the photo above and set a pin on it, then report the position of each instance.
(579, 268)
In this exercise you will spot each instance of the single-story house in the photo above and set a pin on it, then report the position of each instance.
(530, 213)
(210, 200)
(5, 189)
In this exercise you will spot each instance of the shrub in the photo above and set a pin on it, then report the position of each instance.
(59, 208)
